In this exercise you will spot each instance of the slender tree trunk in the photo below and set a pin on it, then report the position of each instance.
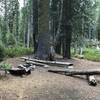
(35, 23)
(25, 25)
(17, 22)
(58, 47)
(28, 33)
(30, 22)
(5, 23)
(59, 23)
(99, 34)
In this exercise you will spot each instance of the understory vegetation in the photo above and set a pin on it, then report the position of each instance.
(92, 54)
(14, 51)
(18, 51)
(89, 54)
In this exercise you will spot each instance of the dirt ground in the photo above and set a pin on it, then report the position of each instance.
(42, 85)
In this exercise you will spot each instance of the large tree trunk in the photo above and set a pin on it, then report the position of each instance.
(67, 29)
(67, 42)
(44, 45)
(45, 49)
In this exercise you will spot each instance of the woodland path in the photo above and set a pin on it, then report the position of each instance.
(42, 85)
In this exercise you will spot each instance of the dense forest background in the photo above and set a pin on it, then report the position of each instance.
(47, 26)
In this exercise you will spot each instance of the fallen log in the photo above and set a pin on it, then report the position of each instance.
(53, 63)
(77, 72)
(89, 74)
(37, 64)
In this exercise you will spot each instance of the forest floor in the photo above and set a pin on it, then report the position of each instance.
(42, 85)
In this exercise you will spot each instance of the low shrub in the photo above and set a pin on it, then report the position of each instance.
(5, 66)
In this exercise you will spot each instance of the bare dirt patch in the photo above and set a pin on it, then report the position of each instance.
(42, 85)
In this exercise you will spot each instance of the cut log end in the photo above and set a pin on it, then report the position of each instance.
(91, 80)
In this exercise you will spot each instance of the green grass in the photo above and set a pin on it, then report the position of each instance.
(18, 51)
(92, 54)
(89, 54)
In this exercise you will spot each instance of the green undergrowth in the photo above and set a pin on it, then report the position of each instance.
(92, 54)
(89, 54)
(14, 52)
(18, 51)
(5, 66)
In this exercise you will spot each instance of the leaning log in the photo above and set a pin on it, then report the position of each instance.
(77, 72)
(53, 63)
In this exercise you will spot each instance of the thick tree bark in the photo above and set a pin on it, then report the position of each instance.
(67, 42)
(44, 44)
(43, 12)
(43, 48)
(67, 29)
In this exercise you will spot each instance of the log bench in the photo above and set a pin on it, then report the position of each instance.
(52, 63)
